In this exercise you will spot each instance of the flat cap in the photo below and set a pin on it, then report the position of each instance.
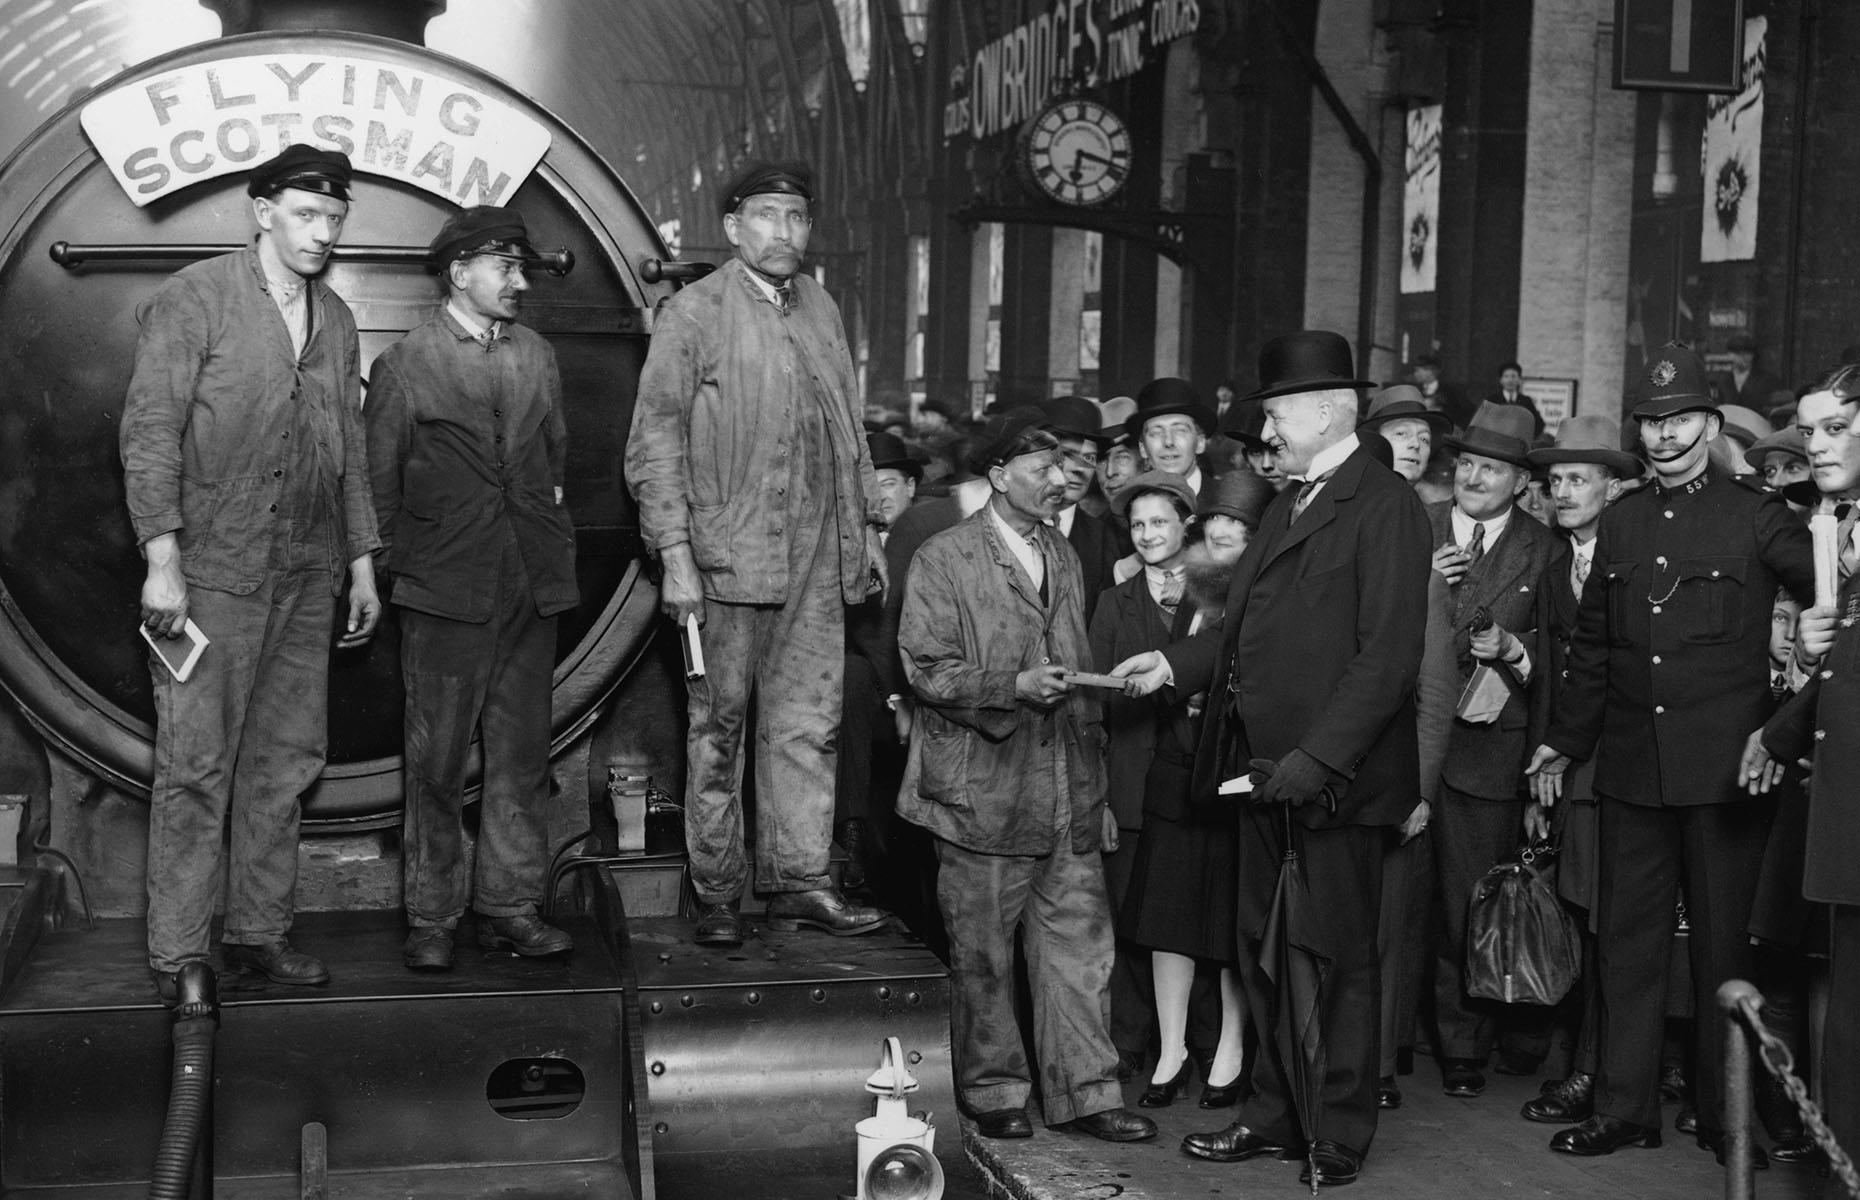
(484, 229)
(761, 178)
(306, 168)
(1008, 435)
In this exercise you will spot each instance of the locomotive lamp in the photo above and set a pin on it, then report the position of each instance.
(896, 1150)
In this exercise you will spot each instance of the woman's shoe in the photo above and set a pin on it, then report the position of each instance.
(1162, 1095)
(1225, 1095)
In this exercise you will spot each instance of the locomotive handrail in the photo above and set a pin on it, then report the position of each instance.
(69, 255)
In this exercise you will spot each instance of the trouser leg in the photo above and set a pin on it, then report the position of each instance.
(859, 709)
(1589, 1037)
(280, 755)
(1066, 933)
(718, 705)
(1133, 1004)
(1723, 856)
(798, 695)
(198, 725)
(446, 668)
(513, 851)
(1840, 1049)
(1470, 834)
(1639, 866)
(1393, 944)
(982, 897)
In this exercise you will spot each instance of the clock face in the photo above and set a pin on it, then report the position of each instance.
(1078, 152)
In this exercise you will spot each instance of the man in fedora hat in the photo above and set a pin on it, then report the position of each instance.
(1316, 660)
(756, 495)
(1408, 425)
(1492, 556)
(1588, 471)
(246, 475)
(1171, 427)
(1075, 421)
(1671, 646)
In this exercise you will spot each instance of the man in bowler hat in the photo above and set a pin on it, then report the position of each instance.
(1671, 647)
(245, 472)
(756, 494)
(1316, 661)
(1171, 427)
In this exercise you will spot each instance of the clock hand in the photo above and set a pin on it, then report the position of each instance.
(1111, 165)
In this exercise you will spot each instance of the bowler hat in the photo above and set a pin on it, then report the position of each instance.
(1674, 382)
(1241, 495)
(1501, 431)
(1310, 360)
(1589, 439)
(890, 453)
(1009, 434)
(1164, 397)
(1403, 401)
(306, 168)
(1076, 417)
(483, 229)
(1783, 441)
(1152, 481)
(763, 178)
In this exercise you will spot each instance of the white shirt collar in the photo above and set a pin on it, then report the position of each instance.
(1329, 458)
(1063, 522)
(1193, 479)
(1463, 525)
(1158, 579)
(1025, 551)
(1584, 549)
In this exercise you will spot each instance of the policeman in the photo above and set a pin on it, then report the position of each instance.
(1674, 648)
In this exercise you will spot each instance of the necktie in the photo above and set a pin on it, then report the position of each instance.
(1171, 592)
(1475, 546)
(784, 296)
(1306, 490)
(1579, 574)
(1844, 539)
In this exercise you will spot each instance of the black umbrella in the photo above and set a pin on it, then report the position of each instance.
(1297, 971)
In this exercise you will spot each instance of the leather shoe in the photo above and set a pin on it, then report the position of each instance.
(1797, 1150)
(1461, 1077)
(1336, 1164)
(1127, 1063)
(1687, 1120)
(1563, 1101)
(1602, 1134)
(824, 909)
(1115, 1125)
(429, 948)
(1236, 1143)
(526, 934)
(1004, 1123)
(1224, 1095)
(720, 924)
(1388, 1095)
(276, 961)
(1162, 1095)
(1714, 1142)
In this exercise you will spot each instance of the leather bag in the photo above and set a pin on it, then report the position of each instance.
(1522, 945)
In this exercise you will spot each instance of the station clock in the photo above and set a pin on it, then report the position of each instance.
(1077, 151)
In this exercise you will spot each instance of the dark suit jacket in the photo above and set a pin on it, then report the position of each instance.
(1129, 622)
(1488, 760)
(1669, 665)
(1578, 874)
(1821, 720)
(1320, 646)
(1759, 385)
(1097, 549)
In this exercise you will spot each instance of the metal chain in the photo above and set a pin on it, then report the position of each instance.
(1780, 1063)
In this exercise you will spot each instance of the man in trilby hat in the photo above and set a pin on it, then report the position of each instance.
(1400, 415)
(756, 495)
(245, 472)
(1316, 661)
(468, 451)
(1668, 674)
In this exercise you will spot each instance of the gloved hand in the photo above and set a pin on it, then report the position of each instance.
(1297, 779)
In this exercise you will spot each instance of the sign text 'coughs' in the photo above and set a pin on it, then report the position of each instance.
(414, 124)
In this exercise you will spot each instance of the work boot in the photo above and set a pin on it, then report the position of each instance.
(720, 924)
(276, 961)
(525, 934)
(824, 909)
(429, 948)
(850, 834)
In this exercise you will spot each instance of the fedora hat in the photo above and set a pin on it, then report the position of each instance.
(1165, 397)
(890, 453)
(1674, 382)
(1075, 417)
(1589, 439)
(1783, 441)
(1745, 423)
(1501, 431)
(1151, 481)
(1403, 401)
(1112, 415)
(1241, 495)
(1311, 360)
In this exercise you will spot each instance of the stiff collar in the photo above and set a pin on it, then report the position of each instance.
(1463, 525)
(1328, 459)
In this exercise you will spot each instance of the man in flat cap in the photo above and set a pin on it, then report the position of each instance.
(466, 450)
(756, 494)
(1007, 774)
(245, 472)
(1671, 647)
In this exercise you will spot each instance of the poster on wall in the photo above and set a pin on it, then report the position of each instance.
(1732, 154)
(1420, 208)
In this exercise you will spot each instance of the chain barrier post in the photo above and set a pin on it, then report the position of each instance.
(1743, 1005)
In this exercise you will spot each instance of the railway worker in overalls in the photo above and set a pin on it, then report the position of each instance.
(246, 478)
(467, 449)
(755, 489)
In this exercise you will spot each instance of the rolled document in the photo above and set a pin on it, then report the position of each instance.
(1824, 529)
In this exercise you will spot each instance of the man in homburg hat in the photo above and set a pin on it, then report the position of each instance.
(246, 475)
(1007, 774)
(756, 494)
(1316, 659)
(1492, 556)
(467, 449)
(1668, 674)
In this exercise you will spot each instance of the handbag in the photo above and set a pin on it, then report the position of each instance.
(1522, 945)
